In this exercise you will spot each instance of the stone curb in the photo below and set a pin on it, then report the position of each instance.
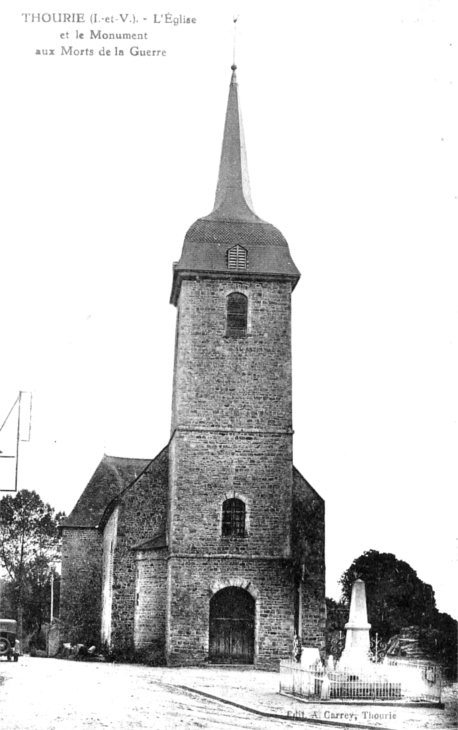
(308, 720)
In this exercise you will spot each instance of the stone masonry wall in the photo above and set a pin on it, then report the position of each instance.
(308, 546)
(81, 585)
(142, 515)
(109, 544)
(231, 437)
(208, 468)
(194, 581)
(227, 382)
(150, 605)
(313, 613)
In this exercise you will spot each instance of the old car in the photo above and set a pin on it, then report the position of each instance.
(9, 644)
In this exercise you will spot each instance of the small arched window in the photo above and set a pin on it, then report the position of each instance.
(237, 315)
(233, 518)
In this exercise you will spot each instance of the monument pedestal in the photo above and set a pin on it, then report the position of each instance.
(357, 640)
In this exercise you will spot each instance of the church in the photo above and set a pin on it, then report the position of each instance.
(213, 551)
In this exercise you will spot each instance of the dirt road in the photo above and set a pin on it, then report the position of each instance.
(48, 694)
(43, 694)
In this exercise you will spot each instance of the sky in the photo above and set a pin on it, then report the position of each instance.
(351, 123)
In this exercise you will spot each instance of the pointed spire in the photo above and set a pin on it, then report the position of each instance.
(233, 195)
(233, 221)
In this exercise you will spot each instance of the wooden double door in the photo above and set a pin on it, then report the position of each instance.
(232, 621)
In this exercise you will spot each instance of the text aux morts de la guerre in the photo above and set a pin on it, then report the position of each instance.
(79, 18)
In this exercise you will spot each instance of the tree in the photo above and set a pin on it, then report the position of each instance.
(7, 606)
(29, 550)
(396, 597)
(336, 618)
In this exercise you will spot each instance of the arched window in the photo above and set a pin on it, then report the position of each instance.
(233, 518)
(237, 315)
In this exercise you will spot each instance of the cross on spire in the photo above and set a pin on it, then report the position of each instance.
(234, 20)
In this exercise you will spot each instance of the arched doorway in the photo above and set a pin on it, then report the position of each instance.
(232, 612)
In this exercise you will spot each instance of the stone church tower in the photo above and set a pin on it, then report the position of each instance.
(214, 550)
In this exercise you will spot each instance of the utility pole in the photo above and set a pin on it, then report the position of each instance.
(23, 402)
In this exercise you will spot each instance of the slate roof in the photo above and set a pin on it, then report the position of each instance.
(233, 194)
(113, 474)
(233, 220)
(300, 482)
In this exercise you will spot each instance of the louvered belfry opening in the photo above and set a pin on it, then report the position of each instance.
(237, 258)
(237, 315)
(233, 518)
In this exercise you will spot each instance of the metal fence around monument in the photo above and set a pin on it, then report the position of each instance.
(387, 682)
